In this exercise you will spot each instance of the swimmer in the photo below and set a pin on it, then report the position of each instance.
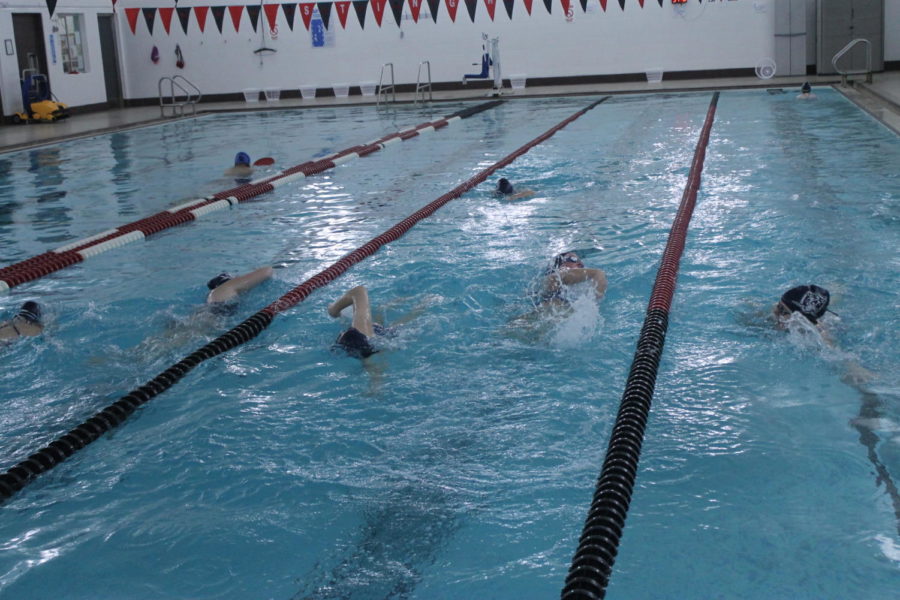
(26, 323)
(811, 301)
(223, 287)
(568, 270)
(241, 168)
(806, 92)
(507, 192)
(357, 340)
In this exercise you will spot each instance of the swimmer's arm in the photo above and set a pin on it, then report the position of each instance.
(520, 195)
(579, 275)
(242, 283)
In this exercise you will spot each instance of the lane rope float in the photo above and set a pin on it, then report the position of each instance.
(18, 476)
(80, 250)
(597, 548)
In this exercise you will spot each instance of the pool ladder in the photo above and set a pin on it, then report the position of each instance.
(185, 97)
(867, 71)
(384, 89)
(423, 86)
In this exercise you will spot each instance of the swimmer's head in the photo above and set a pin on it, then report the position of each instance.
(218, 280)
(31, 312)
(242, 158)
(811, 301)
(504, 186)
(567, 260)
(806, 88)
(354, 343)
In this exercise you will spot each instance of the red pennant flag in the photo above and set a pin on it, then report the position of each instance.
(641, 2)
(565, 6)
(491, 5)
(166, 15)
(236, 12)
(132, 14)
(343, 9)
(271, 14)
(528, 5)
(306, 12)
(452, 5)
(378, 9)
(603, 5)
(200, 12)
(414, 7)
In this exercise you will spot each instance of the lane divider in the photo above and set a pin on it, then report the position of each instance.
(75, 252)
(113, 415)
(597, 548)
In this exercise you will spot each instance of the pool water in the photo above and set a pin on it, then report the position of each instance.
(461, 460)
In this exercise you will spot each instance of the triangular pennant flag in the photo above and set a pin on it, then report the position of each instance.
(414, 7)
(378, 10)
(509, 6)
(200, 13)
(660, 3)
(325, 12)
(253, 13)
(51, 6)
(397, 9)
(289, 11)
(583, 5)
(184, 16)
(549, 5)
(603, 5)
(361, 6)
(641, 2)
(271, 14)
(452, 5)
(491, 7)
(236, 12)
(343, 9)
(149, 18)
(471, 5)
(219, 16)
(528, 5)
(565, 6)
(433, 6)
(306, 12)
(132, 14)
(622, 4)
(165, 14)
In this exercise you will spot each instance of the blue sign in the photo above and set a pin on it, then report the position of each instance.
(317, 28)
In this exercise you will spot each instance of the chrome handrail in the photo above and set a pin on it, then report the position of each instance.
(422, 87)
(170, 100)
(867, 71)
(384, 89)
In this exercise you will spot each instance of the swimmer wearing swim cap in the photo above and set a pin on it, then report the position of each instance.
(806, 92)
(568, 269)
(507, 192)
(27, 322)
(241, 166)
(811, 301)
(223, 287)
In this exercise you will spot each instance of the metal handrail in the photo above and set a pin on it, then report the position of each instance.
(867, 71)
(384, 89)
(422, 87)
(170, 100)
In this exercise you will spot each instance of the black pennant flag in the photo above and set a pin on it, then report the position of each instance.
(360, 7)
(433, 7)
(660, 3)
(622, 4)
(397, 9)
(289, 11)
(584, 5)
(253, 13)
(51, 6)
(219, 15)
(471, 5)
(184, 15)
(325, 12)
(509, 6)
(548, 4)
(149, 17)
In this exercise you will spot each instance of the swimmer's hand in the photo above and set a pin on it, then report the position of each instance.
(855, 374)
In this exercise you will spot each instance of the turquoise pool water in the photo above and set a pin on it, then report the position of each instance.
(462, 462)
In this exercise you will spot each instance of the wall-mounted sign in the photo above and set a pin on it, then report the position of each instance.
(10, 50)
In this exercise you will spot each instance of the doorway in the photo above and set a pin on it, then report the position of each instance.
(30, 50)
(111, 78)
(842, 21)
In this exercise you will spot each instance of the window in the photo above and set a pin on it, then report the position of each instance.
(71, 43)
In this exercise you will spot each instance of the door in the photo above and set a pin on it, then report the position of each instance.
(30, 49)
(842, 21)
(110, 61)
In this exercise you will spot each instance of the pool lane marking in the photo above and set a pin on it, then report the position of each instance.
(598, 545)
(75, 252)
(18, 476)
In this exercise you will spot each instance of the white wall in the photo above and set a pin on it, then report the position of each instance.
(892, 30)
(74, 90)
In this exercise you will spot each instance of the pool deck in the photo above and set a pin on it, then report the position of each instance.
(881, 99)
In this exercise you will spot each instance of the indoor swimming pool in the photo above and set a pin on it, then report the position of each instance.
(459, 462)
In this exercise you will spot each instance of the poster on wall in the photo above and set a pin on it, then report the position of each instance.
(321, 36)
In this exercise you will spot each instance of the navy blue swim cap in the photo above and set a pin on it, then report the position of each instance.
(31, 312)
(242, 158)
(218, 280)
(355, 343)
(806, 88)
(809, 300)
(504, 186)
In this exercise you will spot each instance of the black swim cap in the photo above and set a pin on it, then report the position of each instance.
(218, 280)
(355, 343)
(809, 300)
(31, 312)
(806, 88)
(504, 186)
